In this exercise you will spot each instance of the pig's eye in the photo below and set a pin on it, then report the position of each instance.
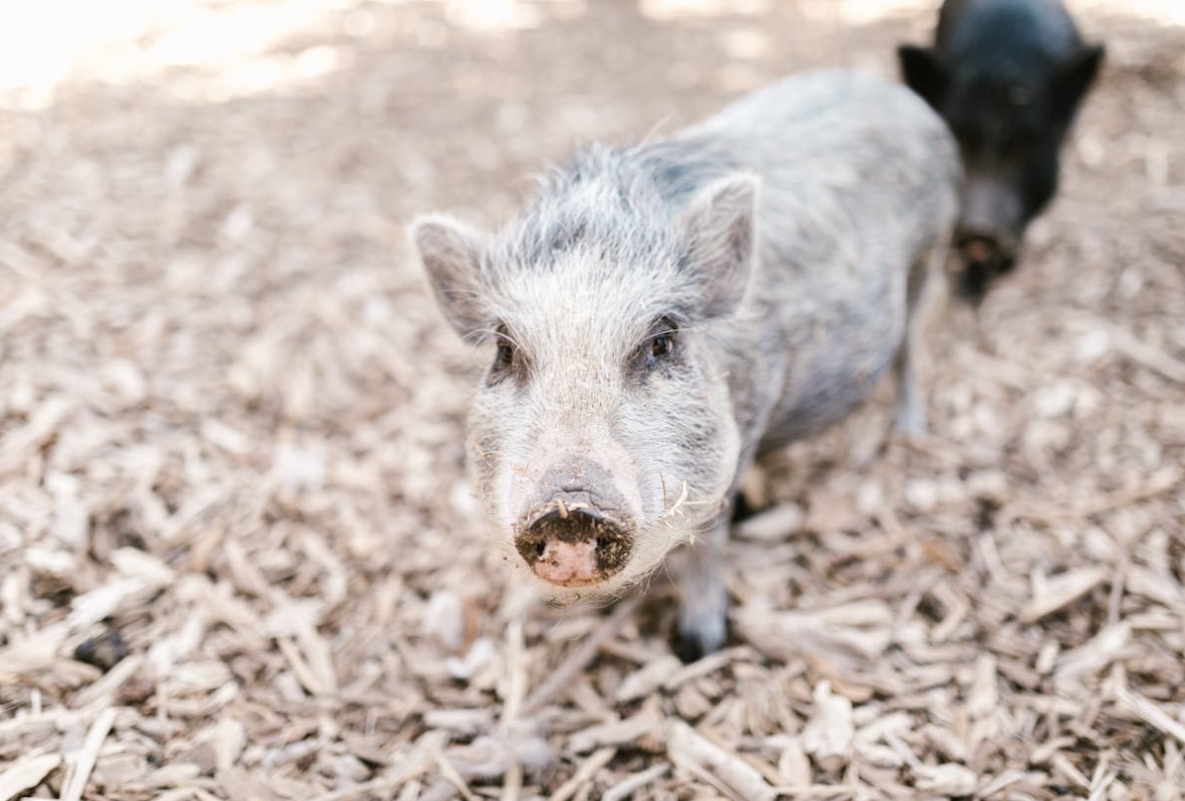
(659, 348)
(662, 339)
(662, 346)
(505, 356)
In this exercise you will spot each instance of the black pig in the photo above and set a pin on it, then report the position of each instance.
(1008, 77)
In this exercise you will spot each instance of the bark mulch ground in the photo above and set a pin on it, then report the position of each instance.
(238, 555)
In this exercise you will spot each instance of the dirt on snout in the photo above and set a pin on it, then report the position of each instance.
(238, 554)
(605, 545)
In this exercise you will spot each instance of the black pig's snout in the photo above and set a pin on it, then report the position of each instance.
(986, 245)
(985, 254)
(574, 547)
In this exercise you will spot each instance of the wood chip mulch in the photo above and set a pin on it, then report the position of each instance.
(238, 555)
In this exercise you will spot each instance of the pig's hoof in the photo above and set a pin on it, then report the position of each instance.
(693, 642)
(910, 422)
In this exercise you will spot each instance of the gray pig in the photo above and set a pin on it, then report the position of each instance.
(663, 314)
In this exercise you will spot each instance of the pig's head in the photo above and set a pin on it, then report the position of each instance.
(602, 433)
(1009, 102)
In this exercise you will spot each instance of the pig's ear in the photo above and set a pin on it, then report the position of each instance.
(1073, 79)
(719, 226)
(923, 71)
(451, 254)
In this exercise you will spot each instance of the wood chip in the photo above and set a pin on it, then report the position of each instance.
(946, 780)
(742, 781)
(1062, 591)
(647, 679)
(583, 775)
(1094, 655)
(828, 734)
(79, 765)
(615, 734)
(707, 665)
(1150, 713)
(631, 784)
(860, 629)
(26, 774)
(773, 524)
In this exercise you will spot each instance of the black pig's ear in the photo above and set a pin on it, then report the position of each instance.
(451, 254)
(720, 233)
(1073, 79)
(923, 71)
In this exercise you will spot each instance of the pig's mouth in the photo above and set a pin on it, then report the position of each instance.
(574, 546)
(984, 259)
(977, 277)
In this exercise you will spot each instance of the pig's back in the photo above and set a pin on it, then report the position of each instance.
(837, 138)
(859, 178)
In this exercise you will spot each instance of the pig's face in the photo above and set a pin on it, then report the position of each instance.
(602, 432)
(1009, 145)
(1009, 112)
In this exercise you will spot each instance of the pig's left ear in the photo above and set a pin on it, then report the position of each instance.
(924, 72)
(1073, 79)
(719, 229)
(451, 253)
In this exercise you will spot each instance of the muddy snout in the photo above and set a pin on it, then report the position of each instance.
(574, 547)
(573, 535)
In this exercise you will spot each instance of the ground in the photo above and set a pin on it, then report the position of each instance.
(238, 555)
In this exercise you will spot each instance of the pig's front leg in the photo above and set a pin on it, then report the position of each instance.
(924, 296)
(910, 417)
(704, 605)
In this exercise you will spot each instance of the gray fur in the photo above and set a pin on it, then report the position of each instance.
(780, 234)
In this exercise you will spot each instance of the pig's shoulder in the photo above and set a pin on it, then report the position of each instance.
(824, 100)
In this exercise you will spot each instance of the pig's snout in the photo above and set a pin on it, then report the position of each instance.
(578, 525)
(573, 546)
(987, 252)
(986, 244)
(989, 227)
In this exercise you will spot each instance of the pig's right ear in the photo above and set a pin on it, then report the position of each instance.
(923, 71)
(451, 254)
(719, 227)
(1073, 79)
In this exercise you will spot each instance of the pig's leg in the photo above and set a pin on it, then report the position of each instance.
(911, 403)
(925, 275)
(704, 606)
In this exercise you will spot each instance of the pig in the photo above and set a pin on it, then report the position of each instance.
(1008, 77)
(663, 314)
